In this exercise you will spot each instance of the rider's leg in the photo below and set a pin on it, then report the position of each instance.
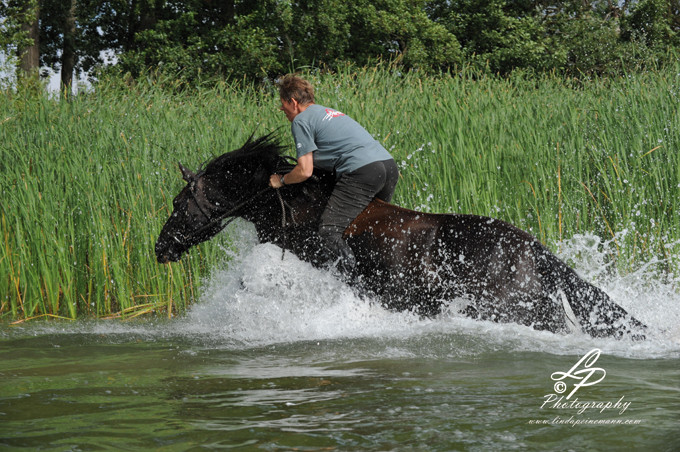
(352, 193)
(391, 178)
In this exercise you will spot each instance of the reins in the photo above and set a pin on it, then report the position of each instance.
(283, 221)
(212, 221)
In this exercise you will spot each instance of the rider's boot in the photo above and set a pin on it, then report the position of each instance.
(339, 254)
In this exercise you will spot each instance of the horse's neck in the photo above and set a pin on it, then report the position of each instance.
(281, 215)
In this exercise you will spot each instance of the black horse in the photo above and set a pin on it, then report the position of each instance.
(406, 259)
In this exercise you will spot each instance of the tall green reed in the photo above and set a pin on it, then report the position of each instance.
(87, 184)
(553, 156)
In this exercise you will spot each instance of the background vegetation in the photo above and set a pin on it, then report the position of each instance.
(559, 116)
(87, 184)
(217, 40)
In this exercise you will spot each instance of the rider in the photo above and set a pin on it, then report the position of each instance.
(330, 140)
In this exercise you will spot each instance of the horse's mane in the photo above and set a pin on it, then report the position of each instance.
(258, 158)
(265, 151)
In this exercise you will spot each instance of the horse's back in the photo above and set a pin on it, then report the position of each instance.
(424, 259)
(467, 255)
(382, 218)
(387, 219)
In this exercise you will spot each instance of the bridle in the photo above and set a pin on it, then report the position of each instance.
(215, 221)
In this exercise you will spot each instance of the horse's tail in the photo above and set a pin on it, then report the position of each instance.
(589, 308)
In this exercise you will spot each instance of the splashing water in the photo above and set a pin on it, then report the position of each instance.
(278, 354)
(262, 298)
(257, 298)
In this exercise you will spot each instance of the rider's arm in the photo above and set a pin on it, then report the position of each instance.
(300, 173)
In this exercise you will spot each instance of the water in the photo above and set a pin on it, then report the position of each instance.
(279, 356)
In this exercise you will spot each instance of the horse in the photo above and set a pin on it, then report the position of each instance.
(407, 260)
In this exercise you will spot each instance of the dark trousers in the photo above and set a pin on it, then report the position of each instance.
(352, 193)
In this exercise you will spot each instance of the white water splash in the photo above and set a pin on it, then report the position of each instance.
(263, 299)
(258, 299)
(651, 297)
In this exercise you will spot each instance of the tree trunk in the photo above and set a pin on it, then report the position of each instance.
(141, 16)
(68, 56)
(29, 57)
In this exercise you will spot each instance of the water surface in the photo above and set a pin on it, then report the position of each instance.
(277, 356)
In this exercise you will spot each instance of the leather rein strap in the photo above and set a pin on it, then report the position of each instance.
(213, 221)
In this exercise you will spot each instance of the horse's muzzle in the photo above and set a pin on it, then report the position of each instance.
(166, 258)
(166, 254)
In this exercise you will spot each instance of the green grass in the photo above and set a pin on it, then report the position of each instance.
(86, 185)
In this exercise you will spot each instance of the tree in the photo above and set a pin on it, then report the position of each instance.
(68, 54)
(654, 22)
(498, 35)
(199, 39)
(20, 33)
(403, 29)
(64, 44)
(571, 36)
(206, 39)
(29, 55)
(69, 36)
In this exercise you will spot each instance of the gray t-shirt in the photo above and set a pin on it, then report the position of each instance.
(339, 143)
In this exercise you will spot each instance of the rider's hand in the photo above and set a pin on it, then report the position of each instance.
(275, 181)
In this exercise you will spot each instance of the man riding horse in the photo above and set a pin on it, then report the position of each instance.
(407, 260)
(332, 141)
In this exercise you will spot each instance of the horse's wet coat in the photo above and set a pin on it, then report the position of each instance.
(409, 260)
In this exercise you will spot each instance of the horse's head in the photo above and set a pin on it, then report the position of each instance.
(223, 189)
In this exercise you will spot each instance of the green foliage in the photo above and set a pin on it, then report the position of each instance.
(656, 23)
(590, 46)
(497, 39)
(204, 42)
(87, 184)
(17, 51)
(403, 29)
(271, 37)
(87, 42)
(572, 37)
(213, 40)
(15, 15)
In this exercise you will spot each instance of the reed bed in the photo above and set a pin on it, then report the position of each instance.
(87, 184)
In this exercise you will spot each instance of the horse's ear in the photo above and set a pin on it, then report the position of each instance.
(187, 174)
